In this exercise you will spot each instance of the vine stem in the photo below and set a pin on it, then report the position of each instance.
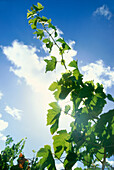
(55, 44)
(58, 158)
(104, 160)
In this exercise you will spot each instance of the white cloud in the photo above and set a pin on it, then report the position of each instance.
(14, 112)
(59, 166)
(31, 67)
(110, 162)
(1, 94)
(103, 11)
(99, 73)
(2, 137)
(3, 125)
(28, 66)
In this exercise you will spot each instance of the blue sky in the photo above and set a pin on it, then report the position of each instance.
(88, 26)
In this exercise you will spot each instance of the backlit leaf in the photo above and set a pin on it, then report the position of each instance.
(51, 26)
(60, 143)
(40, 7)
(73, 64)
(51, 64)
(60, 40)
(53, 116)
(53, 86)
(47, 159)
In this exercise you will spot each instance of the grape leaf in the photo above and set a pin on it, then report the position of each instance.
(40, 7)
(73, 64)
(60, 143)
(64, 92)
(51, 64)
(47, 159)
(67, 108)
(70, 160)
(109, 96)
(53, 86)
(53, 116)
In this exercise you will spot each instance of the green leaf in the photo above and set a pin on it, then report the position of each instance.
(86, 91)
(87, 160)
(34, 21)
(67, 108)
(60, 40)
(78, 169)
(73, 64)
(46, 40)
(53, 116)
(64, 92)
(57, 93)
(33, 26)
(100, 154)
(66, 75)
(31, 13)
(56, 34)
(47, 159)
(53, 86)
(49, 44)
(70, 160)
(65, 46)
(77, 137)
(44, 19)
(49, 21)
(51, 26)
(35, 7)
(40, 7)
(55, 126)
(96, 106)
(33, 151)
(9, 140)
(51, 64)
(104, 129)
(109, 96)
(39, 33)
(60, 143)
(76, 101)
(99, 91)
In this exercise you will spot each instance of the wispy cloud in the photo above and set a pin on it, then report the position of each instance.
(2, 137)
(99, 73)
(3, 126)
(1, 94)
(16, 113)
(103, 11)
